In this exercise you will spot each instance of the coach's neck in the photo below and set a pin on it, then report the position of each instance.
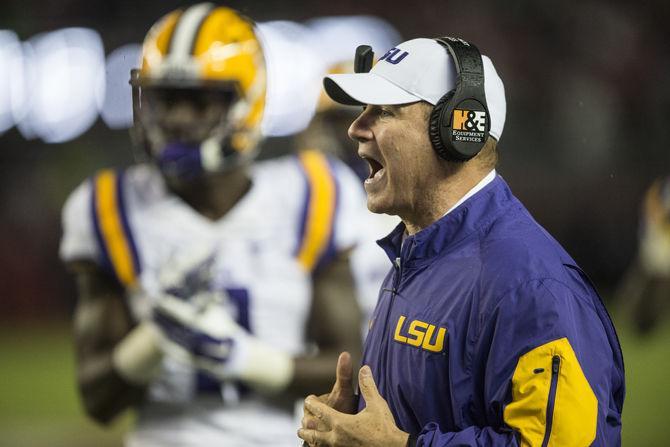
(443, 194)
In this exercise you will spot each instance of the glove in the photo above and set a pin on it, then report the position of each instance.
(655, 230)
(138, 356)
(205, 332)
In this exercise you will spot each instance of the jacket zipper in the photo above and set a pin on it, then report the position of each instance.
(555, 367)
(394, 291)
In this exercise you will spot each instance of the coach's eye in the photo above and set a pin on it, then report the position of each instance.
(384, 112)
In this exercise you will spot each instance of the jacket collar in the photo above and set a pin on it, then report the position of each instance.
(476, 212)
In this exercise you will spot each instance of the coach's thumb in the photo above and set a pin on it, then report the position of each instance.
(368, 387)
(344, 373)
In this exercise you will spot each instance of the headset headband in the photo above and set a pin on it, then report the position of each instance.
(463, 123)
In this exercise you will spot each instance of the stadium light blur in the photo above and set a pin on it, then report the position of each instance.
(294, 74)
(11, 79)
(54, 85)
(340, 35)
(117, 108)
(65, 84)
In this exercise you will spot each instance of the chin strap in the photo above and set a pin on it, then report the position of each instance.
(189, 161)
(181, 160)
(215, 154)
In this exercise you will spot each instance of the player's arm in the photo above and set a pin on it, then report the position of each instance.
(643, 293)
(643, 297)
(334, 326)
(110, 348)
(226, 351)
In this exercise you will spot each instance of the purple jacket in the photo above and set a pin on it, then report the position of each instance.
(487, 333)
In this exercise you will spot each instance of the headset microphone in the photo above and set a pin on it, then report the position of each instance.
(363, 59)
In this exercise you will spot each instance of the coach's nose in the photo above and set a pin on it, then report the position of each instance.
(360, 130)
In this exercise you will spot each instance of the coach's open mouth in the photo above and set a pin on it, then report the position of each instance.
(376, 169)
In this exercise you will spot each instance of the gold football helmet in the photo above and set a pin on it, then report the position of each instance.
(213, 56)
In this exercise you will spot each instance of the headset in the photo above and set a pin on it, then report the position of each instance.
(459, 123)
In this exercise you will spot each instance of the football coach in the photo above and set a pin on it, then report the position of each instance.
(486, 332)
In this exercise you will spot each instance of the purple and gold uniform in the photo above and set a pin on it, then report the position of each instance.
(487, 333)
(299, 212)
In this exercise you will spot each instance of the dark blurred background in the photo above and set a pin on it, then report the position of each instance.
(587, 130)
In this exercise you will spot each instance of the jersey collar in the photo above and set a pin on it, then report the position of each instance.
(482, 205)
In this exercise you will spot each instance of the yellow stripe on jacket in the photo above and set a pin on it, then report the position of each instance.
(320, 209)
(111, 227)
(574, 404)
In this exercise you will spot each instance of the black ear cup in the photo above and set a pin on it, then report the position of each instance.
(435, 124)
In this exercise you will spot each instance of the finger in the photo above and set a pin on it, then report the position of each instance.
(320, 410)
(309, 436)
(343, 387)
(313, 437)
(344, 372)
(304, 404)
(309, 422)
(308, 414)
(368, 386)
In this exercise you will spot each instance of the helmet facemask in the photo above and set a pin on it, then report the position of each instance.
(188, 131)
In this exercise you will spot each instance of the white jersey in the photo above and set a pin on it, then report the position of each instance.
(299, 212)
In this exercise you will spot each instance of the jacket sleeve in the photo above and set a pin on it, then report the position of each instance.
(544, 366)
(471, 436)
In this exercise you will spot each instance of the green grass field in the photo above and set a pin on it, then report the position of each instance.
(39, 405)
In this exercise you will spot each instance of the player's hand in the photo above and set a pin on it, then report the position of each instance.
(204, 330)
(374, 426)
(201, 331)
(341, 398)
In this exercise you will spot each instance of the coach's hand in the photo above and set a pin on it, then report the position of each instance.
(340, 398)
(374, 426)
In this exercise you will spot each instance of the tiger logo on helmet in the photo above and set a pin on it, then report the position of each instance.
(211, 51)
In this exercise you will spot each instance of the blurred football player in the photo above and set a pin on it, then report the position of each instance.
(328, 132)
(644, 294)
(200, 275)
(335, 39)
(326, 129)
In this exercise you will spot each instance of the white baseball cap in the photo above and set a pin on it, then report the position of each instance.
(420, 70)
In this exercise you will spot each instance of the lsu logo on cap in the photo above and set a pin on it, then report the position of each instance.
(394, 56)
